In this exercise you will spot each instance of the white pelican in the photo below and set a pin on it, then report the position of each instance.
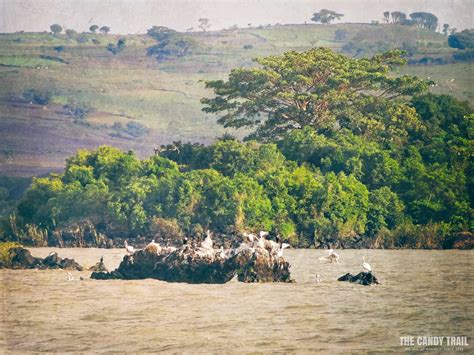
(365, 265)
(129, 248)
(283, 247)
(207, 243)
(222, 253)
(250, 236)
(333, 256)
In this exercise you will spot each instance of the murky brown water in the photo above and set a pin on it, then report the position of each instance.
(422, 293)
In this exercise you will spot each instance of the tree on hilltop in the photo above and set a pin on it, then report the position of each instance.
(105, 29)
(425, 20)
(326, 16)
(204, 24)
(93, 28)
(56, 29)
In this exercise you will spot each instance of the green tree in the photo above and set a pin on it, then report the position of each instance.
(204, 24)
(398, 17)
(70, 33)
(385, 211)
(56, 29)
(425, 20)
(462, 40)
(170, 43)
(35, 205)
(105, 29)
(115, 49)
(93, 28)
(318, 88)
(446, 29)
(326, 16)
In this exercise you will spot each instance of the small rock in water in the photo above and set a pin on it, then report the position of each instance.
(362, 278)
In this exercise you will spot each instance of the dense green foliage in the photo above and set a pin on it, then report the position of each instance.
(424, 20)
(116, 48)
(320, 89)
(170, 43)
(367, 154)
(462, 40)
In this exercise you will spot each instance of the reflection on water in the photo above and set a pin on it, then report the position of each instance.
(422, 293)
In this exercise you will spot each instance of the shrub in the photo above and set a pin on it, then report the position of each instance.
(464, 56)
(82, 39)
(39, 97)
(136, 129)
(77, 110)
(168, 229)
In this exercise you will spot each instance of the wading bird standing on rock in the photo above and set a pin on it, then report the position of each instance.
(129, 248)
(365, 265)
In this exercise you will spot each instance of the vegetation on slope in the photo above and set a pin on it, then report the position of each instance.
(396, 170)
(123, 85)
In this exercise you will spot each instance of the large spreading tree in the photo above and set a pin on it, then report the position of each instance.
(320, 89)
(326, 16)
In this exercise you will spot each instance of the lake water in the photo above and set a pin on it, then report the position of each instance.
(422, 293)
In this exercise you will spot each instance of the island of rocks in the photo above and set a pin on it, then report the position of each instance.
(254, 260)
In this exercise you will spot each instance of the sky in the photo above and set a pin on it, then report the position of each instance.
(136, 16)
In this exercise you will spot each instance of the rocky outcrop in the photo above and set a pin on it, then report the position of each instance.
(99, 267)
(260, 265)
(21, 258)
(362, 278)
(193, 264)
(461, 240)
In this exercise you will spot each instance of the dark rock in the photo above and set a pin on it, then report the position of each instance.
(70, 264)
(114, 275)
(99, 267)
(21, 258)
(363, 278)
(192, 264)
(52, 261)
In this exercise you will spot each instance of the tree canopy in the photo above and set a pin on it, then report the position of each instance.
(425, 20)
(171, 44)
(326, 16)
(320, 89)
(462, 40)
(105, 29)
(56, 29)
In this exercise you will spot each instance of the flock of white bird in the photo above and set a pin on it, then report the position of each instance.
(206, 248)
(253, 243)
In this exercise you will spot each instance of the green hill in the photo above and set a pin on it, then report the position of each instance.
(136, 102)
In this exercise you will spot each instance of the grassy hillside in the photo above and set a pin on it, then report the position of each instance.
(164, 97)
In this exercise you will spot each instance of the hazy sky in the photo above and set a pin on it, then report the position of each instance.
(132, 16)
